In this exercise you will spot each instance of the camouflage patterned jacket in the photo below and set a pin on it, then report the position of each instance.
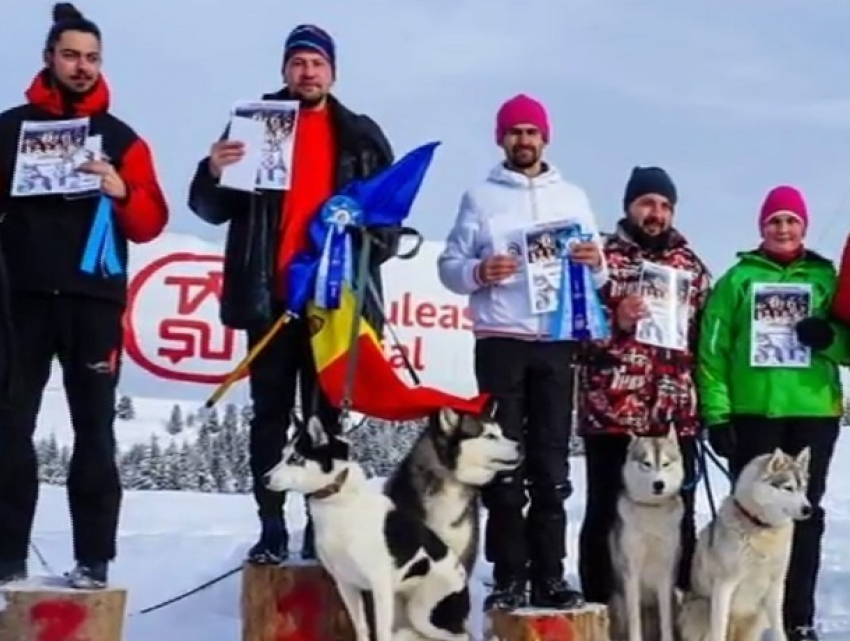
(626, 386)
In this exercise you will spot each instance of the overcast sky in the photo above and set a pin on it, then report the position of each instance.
(730, 97)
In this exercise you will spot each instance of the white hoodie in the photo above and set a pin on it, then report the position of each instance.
(491, 217)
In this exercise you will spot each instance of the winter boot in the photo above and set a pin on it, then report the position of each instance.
(555, 593)
(89, 576)
(802, 633)
(507, 595)
(273, 546)
(12, 571)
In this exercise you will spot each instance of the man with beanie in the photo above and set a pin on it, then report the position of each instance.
(778, 392)
(630, 388)
(516, 359)
(333, 146)
(63, 305)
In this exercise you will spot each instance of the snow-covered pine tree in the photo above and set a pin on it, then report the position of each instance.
(52, 471)
(246, 414)
(211, 421)
(241, 470)
(229, 429)
(170, 468)
(379, 445)
(125, 410)
(175, 421)
(133, 465)
(188, 468)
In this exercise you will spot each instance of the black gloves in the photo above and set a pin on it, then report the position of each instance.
(721, 437)
(815, 333)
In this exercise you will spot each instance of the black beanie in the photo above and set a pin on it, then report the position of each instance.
(649, 180)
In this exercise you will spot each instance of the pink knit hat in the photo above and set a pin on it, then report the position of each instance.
(521, 110)
(784, 199)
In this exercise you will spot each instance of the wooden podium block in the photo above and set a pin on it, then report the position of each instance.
(297, 601)
(47, 610)
(589, 623)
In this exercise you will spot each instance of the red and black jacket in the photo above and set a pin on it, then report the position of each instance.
(43, 237)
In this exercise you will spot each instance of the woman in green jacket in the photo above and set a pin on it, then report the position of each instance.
(768, 372)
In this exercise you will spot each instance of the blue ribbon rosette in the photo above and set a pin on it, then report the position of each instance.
(100, 252)
(579, 315)
(336, 262)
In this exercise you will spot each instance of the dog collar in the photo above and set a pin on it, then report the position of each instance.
(332, 488)
(752, 518)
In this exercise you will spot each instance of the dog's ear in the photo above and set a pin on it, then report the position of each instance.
(774, 463)
(316, 432)
(803, 459)
(448, 420)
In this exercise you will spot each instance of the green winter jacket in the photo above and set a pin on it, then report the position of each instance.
(728, 384)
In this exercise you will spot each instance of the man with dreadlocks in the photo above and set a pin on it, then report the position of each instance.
(67, 308)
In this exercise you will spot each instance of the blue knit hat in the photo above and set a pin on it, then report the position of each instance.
(313, 38)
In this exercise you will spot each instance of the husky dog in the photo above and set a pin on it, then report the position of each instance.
(741, 559)
(645, 539)
(439, 480)
(368, 545)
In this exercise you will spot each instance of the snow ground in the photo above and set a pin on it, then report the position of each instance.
(172, 541)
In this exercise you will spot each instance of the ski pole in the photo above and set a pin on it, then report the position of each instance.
(245, 363)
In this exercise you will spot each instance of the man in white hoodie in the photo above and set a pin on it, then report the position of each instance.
(530, 373)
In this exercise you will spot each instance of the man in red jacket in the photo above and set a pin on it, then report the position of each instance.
(66, 257)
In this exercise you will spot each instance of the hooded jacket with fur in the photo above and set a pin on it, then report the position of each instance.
(491, 220)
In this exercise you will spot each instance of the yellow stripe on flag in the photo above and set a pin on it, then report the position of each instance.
(330, 329)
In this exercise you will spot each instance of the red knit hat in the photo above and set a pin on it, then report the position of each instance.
(784, 199)
(521, 110)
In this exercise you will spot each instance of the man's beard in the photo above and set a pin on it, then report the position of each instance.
(657, 240)
(308, 102)
(523, 157)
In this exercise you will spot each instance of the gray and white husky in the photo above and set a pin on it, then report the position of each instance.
(645, 540)
(742, 555)
(440, 479)
(375, 552)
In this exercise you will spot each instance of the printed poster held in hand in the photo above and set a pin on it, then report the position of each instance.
(559, 287)
(48, 157)
(666, 292)
(776, 310)
(269, 146)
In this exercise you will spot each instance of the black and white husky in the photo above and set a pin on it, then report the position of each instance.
(368, 545)
(439, 481)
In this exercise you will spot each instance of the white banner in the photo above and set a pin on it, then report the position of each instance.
(176, 347)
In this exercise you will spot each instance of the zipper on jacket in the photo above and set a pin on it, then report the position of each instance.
(532, 196)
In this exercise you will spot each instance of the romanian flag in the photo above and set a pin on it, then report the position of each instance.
(382, 200)
(377, 390)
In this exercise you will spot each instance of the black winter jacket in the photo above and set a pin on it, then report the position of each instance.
(248, 296)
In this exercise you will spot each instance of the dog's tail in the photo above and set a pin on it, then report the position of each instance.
(694, 618)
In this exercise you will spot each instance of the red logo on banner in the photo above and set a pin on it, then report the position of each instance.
(184, 334)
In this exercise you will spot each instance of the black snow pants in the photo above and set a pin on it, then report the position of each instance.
(604, 458)
(533, 384)
(85, 334)
(274, 383)
(755, 435)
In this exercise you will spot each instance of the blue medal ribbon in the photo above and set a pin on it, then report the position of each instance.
(336, 263)
(579, 315)
(101, 251)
